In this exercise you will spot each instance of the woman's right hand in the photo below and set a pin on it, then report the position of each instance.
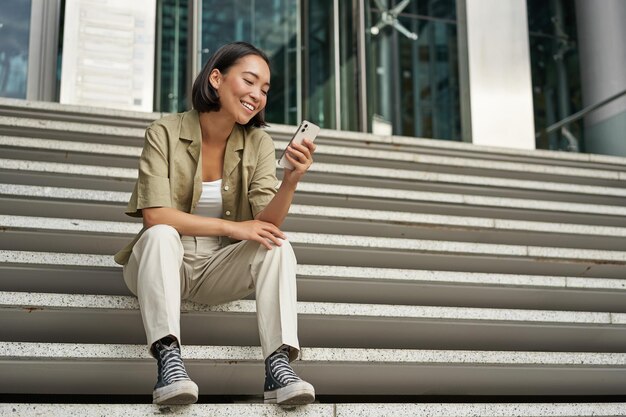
(257, 230)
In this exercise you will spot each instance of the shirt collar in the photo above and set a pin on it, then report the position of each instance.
(190, 131)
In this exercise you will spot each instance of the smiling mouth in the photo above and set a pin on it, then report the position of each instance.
(248, 106)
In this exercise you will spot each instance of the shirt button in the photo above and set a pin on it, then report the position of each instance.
(227, 212)
(226, 188)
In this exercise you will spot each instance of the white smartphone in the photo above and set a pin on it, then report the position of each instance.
(306, 130)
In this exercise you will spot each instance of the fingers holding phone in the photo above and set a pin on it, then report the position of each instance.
(298, 155)
(298, 151)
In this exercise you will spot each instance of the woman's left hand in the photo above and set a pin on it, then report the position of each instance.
(301, 157)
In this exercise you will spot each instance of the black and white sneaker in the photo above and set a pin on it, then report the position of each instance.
(282, 385)
(173, 384)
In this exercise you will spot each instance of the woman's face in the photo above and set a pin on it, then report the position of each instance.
(243, 88)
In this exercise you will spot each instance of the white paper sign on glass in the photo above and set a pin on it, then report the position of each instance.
(108, 54)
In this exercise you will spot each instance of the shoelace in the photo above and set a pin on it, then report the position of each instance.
(172, 364)
(281, 370)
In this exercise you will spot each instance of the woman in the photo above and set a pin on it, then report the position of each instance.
(211, 212)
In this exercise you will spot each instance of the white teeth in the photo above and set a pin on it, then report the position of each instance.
(247, 106)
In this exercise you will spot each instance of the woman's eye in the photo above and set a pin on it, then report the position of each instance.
(248, 81)
(264, 92)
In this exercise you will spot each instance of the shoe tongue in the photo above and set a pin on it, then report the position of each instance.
(169, 342)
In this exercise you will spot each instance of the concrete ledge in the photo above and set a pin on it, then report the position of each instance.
(288, 130)
(71, 317)
(320, 410)
(341, 151)
(336, 190)
(332, 240)
(238, 370)
(395, 217)
(330, 272)
(331, 311)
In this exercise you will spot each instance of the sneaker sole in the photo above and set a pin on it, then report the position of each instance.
(298, 393)
(177, 393)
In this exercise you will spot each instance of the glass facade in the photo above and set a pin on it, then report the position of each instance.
(271, 25)
(382, 66)
(172, 76)
(555, 71)
(14, 46)
(313, 46)
(413, 85)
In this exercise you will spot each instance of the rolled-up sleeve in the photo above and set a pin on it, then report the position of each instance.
(264, 182)
(153, 183)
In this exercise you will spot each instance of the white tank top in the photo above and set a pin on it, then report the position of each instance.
(210, 203)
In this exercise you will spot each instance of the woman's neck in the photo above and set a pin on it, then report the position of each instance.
(215, 127)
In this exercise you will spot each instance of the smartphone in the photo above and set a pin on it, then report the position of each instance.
(306, 130)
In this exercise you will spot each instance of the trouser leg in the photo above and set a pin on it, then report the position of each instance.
(153, 273)
(239, 269)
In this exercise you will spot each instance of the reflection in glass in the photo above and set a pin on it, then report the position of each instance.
(413, 85)
(318, 59)
(269, 25)
(14, 37)
(555, 70)
(172, 80)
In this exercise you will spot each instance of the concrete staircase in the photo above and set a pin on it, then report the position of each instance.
(435, 278)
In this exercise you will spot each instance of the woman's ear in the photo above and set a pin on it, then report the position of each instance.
(215, 78)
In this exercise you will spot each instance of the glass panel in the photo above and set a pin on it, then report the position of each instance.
(172, 79)
(319, 64)
(348, 59)
(14, 37)
(555, 71)
(269, 25)
(413, 85)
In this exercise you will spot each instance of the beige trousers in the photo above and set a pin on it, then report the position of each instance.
(165, 268)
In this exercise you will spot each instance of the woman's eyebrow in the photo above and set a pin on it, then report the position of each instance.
(255, 75)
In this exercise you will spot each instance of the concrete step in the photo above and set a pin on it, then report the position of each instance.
(320, 410)
(102, 237)
(55, 151)
(324, 410)
(98, 274)
(16, 110)
(28, 172)
(110, 205)
(125, 156)
(307, 218)
(56, 368)
(46, 317)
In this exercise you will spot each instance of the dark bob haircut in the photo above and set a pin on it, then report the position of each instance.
(203, 95)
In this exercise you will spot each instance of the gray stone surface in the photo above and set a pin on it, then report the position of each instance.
(487, 164)
(330, 240)
(319, 410)
(73, 127)
(70, 146)
(47, 301)
(365, 171)
(333, 272)
(374, 357)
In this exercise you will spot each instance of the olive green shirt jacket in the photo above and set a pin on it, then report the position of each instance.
(170, 171)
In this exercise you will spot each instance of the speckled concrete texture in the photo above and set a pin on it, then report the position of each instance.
(76, 109)
(330, 240)
(319, 410)
(478, 409)
(46, 301)
(400, 174)
(73, 169)
(373, 357)
(62, 193)
(332, 272)
(70, 146)
(477, 200)
(486, 164)
(144, 410)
